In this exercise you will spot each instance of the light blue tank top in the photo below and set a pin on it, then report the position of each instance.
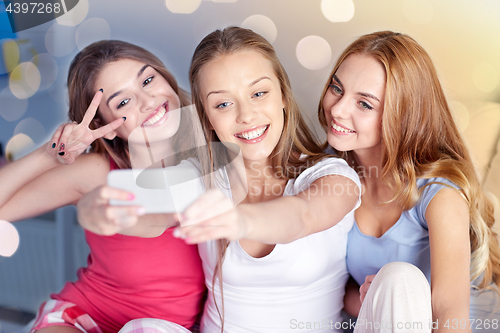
(407, 240)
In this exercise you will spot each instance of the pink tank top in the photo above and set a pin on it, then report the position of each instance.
(132, 277)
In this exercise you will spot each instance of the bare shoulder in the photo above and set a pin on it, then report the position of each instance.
(447, 204)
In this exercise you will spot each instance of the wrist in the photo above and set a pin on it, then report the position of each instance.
(46, 158)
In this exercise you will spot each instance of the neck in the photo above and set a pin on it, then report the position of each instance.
(263, 183)
(369, 166)
(142, 156)
(258, 170)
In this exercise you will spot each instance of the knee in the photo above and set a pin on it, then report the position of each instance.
(151, 325)
(131, 326)
(395, 272)
(143, 325)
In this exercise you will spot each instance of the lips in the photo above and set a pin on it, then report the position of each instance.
(336, 127)
(157, 115)
(253, 133)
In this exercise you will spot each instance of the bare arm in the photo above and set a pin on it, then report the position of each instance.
(49, 177)
(448, 220)
(281, 220)
(61, 185)
(352, 301)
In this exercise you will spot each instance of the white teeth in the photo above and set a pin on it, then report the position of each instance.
(250, 135)
(156, 117)
(341, 129)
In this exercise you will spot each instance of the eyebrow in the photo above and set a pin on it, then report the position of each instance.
(119, 92)
(367, 95)
(251, 84)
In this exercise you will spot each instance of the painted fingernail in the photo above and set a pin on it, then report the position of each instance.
(124, 118)
(101, 90)
(130, 196)
(61, 153)
(177, 233)
(141, 211)
(61, 147)
(54, 145)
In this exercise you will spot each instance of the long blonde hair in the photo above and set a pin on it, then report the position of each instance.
(296, 138)
(421, 140)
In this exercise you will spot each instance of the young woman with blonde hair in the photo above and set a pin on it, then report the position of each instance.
(386, 114)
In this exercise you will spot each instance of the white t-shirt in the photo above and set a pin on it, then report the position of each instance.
(298, 287)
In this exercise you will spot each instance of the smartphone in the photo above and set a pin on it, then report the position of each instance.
(161, 190)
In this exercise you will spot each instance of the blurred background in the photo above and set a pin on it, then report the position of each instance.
(462, 37)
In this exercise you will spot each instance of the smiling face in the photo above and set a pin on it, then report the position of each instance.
(138, 92)
(242, 99)
(353, 105)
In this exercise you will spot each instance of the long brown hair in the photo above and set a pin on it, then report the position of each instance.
(296, 138)
(421, 140)
(83, 73)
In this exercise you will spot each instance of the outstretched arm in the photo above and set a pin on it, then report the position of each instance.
(40, 181)
(281, 220)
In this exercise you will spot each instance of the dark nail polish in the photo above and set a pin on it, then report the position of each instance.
(124, 118)
(101, 90)
(54, 145)
(61, 147)
(61, 153)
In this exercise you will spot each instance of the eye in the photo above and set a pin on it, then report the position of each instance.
(336, 89)
(259, 94)
(223, 105)
(123, 103)
(365, 105)
(147, 81)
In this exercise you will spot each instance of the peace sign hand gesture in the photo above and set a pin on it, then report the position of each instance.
(70, 140)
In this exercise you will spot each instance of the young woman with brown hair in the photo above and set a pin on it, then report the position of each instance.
(386, 114)
(127, 277)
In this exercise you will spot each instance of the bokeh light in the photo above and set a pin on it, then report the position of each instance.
(59, 90)
(313, 52)
(182, 6)
(493, 199)
(17, 145)
(460, 114)
(12, 108)
(9, 239)
(24, 80)
(262, 25)
(11, 54)
(60, 40)
(418, 12)
(32, 128)
(47, 66)
(75, 16)
(485, 77)
(337, 10)
(92, 30)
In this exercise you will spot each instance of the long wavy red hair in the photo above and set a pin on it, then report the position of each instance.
(421, 140)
